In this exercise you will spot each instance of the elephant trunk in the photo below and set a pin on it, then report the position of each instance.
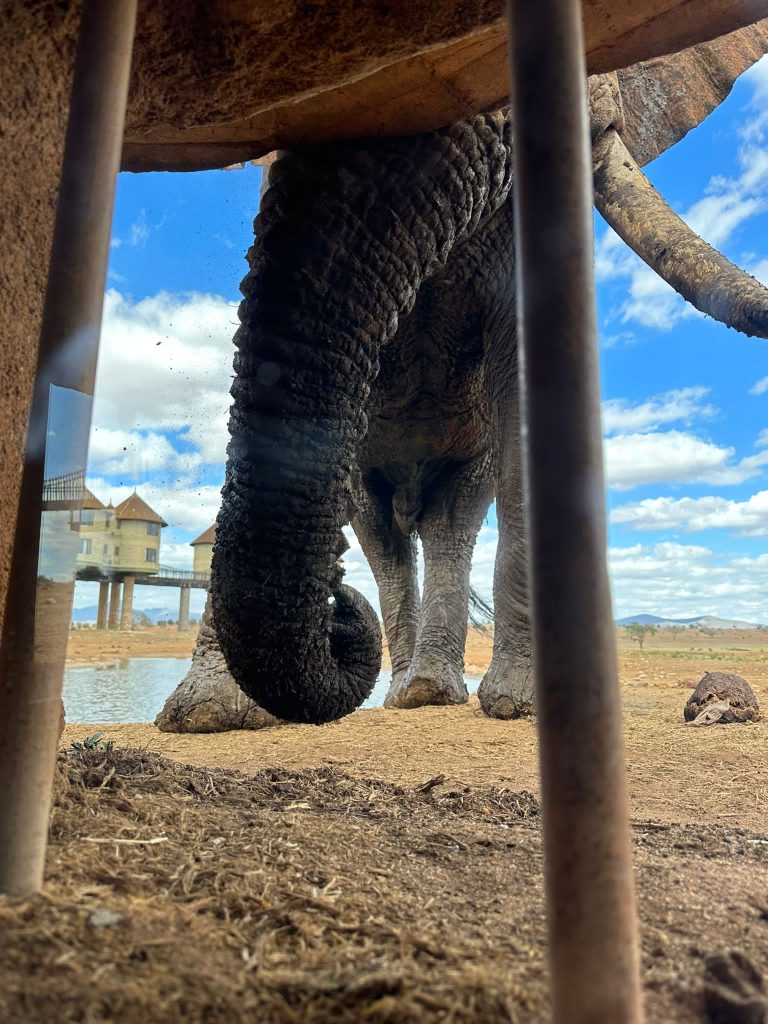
(345, 236)
(702, 275)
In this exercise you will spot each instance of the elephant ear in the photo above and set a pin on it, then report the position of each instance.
(665, 97)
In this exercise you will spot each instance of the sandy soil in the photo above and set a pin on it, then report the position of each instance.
(102, 647)
(206, 896)
(242, 895)
(676, 773)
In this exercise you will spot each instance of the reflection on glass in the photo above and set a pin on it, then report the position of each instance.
(66, 449)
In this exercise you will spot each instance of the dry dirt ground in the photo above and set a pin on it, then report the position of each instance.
(97, 647)
(335, 876)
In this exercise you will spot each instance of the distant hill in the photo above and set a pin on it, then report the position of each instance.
(89, 612)
(700, 621)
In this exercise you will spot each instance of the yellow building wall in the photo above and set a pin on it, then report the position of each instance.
(201, 562)
(100, 533)
(131, 542)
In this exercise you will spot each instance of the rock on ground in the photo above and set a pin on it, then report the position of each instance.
(723, 686)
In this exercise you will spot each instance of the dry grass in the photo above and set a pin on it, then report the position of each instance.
(314, 896)
(329, 883)
(676, 773)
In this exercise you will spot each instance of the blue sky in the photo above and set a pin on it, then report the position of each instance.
(685, 412)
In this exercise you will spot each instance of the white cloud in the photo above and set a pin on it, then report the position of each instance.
(674, 456)
(760, 271)
(129, 452)
(669, 407)
(165, 368)
(717, 216)
(620, 339)
(749, 517)
(684, 580)
(138, 233)
(755, 127)
(759, 387)
(183, 503)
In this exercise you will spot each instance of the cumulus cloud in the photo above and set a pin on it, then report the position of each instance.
(126, 452)
(759, 387)
(717, 216)
(669, 407)
(749, 517)
(165, 368)
(185, 504)
(673, 456)
(683, 580)
(637, 451)
(756, 123)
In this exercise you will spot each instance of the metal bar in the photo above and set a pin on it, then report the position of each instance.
(588, 868)
(35, 630)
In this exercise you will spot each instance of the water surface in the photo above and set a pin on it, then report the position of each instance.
(135, 689)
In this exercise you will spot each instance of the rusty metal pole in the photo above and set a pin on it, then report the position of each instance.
(594, 958)
(33, 646)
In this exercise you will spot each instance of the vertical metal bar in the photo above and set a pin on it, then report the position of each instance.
(588, 869)
(33, 646)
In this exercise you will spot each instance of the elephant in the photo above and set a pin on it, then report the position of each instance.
(376, 381)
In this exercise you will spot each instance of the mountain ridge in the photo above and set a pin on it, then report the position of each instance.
(702, 621)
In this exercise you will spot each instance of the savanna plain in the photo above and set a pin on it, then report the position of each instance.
(386, 867)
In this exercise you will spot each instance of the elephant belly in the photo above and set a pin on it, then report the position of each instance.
(422, 435)
(430, 407)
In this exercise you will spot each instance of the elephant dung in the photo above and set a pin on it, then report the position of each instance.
(721, 697)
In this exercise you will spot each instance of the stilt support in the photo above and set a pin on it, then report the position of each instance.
(588, 869)
(101, 616)
(35, 628)
(126, 615)
(183, 609)
(114, 604)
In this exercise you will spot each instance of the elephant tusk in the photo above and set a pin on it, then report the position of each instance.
(640, 215)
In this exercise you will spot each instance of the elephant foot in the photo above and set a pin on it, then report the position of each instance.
(208, 699)
(421, 686)
(507, 689)
(395, 686)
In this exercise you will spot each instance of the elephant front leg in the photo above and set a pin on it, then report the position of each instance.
(453, 513)
(392, 558)
(506, 690)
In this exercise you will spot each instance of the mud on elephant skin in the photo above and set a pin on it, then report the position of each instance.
(358, 246)
(208, 699)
